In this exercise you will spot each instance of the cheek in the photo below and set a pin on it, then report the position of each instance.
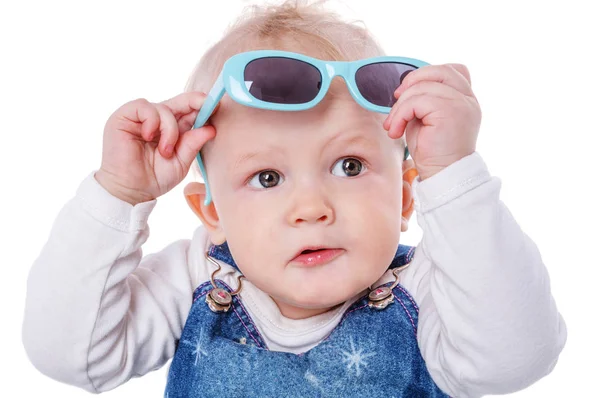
(244, 221)
(374, 217)
(248, 224)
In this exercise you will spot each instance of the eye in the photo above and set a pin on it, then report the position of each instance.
(347, 167)
(265, 179)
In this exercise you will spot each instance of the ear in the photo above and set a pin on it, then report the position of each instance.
(194, 193)
(409, 173)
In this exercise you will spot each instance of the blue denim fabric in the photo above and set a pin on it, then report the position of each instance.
(369, 353)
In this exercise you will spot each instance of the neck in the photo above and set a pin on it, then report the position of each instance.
(293, 312)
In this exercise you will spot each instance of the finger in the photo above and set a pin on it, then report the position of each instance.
(186, 122)
(416, 107)
(169, 131)
(397, 125)
(191, 142)
(434, 89)
(185, 103)
(142, 114)
(445, 74)
(390, 117)
(431, 88)
(463, 70)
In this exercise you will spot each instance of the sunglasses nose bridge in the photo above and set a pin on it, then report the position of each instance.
(337, 68)
(343, 70)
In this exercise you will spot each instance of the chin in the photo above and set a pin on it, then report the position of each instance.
(320, 297)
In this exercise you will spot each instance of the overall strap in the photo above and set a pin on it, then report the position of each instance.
(237, 312)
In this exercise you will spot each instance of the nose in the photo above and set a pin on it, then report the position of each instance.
(310, 207)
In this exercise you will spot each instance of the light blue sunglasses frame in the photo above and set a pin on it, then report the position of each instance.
(231, 81)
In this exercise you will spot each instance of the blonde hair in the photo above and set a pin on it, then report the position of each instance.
(294, 23)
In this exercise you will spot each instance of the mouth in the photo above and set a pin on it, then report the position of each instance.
(314, 255)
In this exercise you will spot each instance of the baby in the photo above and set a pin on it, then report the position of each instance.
(295, 284)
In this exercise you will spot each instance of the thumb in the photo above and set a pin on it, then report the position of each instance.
(192, 141)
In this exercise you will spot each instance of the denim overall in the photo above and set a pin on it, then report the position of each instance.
(370, 353)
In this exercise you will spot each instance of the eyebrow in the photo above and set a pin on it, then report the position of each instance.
(347, 139)
(342, 137)
(246, 156)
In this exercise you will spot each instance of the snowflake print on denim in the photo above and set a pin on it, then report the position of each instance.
(356, 358)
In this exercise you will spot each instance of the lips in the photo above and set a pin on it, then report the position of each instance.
(315, 255)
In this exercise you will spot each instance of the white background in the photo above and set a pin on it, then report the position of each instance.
(66, 66)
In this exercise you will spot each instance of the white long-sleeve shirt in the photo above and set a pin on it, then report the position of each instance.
(98, 312)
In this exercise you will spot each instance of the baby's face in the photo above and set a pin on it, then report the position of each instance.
(284, 182)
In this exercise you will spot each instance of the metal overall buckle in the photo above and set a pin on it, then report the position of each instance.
(382, 296)
(219, 300)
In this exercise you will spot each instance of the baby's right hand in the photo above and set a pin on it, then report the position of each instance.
(148, 148)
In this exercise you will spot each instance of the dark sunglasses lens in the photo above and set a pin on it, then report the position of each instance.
(282, 80)
(377, 82)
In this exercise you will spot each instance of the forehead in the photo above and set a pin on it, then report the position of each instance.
(337, 112)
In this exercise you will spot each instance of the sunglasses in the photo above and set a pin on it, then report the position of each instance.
(287, 81)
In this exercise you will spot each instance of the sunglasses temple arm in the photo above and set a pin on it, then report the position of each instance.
(210, 103)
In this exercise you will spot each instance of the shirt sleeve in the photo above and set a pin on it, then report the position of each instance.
(488, 323)
(98, 312)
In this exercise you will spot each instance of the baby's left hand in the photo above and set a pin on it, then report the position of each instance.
(441, 116)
